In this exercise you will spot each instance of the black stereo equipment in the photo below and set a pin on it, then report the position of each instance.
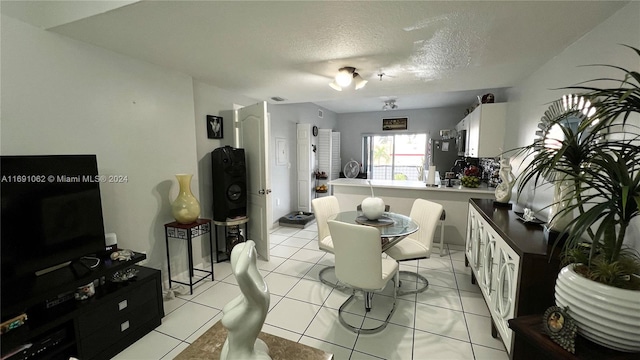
(40, 346)
(229, 173)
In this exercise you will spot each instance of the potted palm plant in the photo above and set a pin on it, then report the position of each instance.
(589, 150)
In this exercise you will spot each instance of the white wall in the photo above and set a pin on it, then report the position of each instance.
(352, 126)
(210, 100)
(284, 118)
(529, 100)
(63, 96)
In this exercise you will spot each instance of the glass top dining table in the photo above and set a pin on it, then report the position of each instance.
(393, 227)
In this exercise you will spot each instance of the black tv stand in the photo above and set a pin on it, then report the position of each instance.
(83, 264)
(117, 315)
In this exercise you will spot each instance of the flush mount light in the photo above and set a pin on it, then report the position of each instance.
(345, 77)
(389, 105)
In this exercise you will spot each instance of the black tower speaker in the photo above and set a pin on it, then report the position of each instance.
(229, 173)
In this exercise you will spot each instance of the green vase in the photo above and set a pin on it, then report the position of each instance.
(185, 208)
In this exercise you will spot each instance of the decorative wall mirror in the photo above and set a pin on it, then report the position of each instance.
(563, 140)
(569, 112)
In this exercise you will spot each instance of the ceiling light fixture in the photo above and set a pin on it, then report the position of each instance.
(345, 77)
(389, 105)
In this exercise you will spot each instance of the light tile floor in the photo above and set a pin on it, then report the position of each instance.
(448, 321)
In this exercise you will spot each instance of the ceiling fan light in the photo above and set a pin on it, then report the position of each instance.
(344, 78)
(359, 81)
(335, 86)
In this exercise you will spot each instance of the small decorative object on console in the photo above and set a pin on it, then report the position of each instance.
(86, 291)
(528, 216)
(124, 275)
(560, 327)
(122, 255)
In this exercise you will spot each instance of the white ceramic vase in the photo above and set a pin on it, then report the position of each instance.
(606, 315)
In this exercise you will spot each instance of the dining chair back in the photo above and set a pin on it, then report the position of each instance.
(360, 265)
(323, 208)
(426, 214)
(358, 252)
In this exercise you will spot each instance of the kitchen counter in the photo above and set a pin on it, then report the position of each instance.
(400, 194)
(411, 185)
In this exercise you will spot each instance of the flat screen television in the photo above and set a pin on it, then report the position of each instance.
(51, 212)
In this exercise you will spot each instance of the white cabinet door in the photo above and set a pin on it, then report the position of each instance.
(475, 239)
(486, 129)
(473, 134)
(471, 235)
(489, 267)
(496, 268)
(506, 284)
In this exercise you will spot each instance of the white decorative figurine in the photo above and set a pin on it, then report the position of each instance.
(503, 190)
(372, 207)
(244, 316)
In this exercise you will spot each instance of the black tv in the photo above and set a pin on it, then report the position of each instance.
(51, 212)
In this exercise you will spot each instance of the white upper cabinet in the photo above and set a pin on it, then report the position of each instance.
(485, 130)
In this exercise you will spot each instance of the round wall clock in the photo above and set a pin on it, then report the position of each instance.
(315, 130)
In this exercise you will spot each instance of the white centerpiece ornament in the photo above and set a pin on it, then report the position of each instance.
(372, 207)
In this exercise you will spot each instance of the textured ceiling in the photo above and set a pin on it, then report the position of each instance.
(433, 53)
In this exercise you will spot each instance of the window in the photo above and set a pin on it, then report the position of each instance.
(394, 157)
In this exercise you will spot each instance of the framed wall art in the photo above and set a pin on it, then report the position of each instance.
(394, 124)
(214, 127)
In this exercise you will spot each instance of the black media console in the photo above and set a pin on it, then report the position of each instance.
(119, 314)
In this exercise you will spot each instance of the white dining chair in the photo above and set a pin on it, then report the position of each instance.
(417, 246)
(323, 208)
(360, 265)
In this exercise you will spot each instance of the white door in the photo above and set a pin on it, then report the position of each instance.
(253, 123)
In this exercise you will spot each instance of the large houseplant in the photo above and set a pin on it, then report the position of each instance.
(591, 153)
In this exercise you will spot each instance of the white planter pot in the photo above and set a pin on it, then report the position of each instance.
(606, 315)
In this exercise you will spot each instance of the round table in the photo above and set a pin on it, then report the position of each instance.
(401, 227)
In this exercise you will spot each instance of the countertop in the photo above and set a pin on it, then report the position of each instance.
(409, 185)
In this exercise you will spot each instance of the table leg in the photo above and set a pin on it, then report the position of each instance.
(215, 228)
(166, 239)
(442, 253)
(190, 259)
(211, 252)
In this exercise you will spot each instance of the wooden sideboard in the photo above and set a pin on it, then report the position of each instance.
(511, 262)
